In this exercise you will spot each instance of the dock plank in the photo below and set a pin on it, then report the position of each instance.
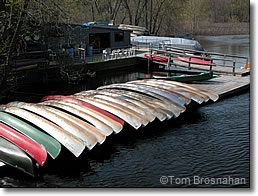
(226, 85)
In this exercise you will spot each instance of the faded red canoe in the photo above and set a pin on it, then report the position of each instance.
(157, 58)
(196, 60)
(84, 103)
(37, 151)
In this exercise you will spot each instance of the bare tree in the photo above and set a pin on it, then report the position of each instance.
(14, 13)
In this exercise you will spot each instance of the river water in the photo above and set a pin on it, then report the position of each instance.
(228, 44)
(210, 142)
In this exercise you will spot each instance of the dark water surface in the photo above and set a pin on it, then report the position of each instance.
(210, 142)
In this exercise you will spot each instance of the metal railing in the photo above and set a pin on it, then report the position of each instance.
(172, 56)
(109, 54)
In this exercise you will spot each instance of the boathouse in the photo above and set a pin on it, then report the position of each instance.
(91, 39)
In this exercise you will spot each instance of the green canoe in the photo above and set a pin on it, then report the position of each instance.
(52, 146)
(187, 78)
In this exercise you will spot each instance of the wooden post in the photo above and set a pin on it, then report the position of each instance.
(211, 65)
(169, 60)
(149, 59)
(234, 68)
(189, 63)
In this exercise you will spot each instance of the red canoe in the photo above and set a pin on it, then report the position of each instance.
(84, 103)
(37, 151)
(157, 58)
(196, 60)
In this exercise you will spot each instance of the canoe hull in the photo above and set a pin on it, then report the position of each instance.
(89, 140)
(12, 155)
(37, 151)
(187, 78)
(86, 104)
(52, 146)
(73, 144)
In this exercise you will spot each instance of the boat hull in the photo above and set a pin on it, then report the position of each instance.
(85, 126)
(131, 87)
(86, 104)
(121, 101)
(52, 146)
(37, 151)
(187, 78)
(131, 119)
(157, 109)
(104, 128)
(89, 139)
(12, 155)
(141, 104)
(72, 143)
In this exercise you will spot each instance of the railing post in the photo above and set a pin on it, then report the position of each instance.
(169, 60)
(149, 59)
(211, 65)
(234, 68)
(210, 68)
(189, 64)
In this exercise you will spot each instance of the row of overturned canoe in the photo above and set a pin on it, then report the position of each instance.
(30, 131)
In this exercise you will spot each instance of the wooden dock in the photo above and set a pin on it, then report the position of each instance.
(226, 85)
(216, 62)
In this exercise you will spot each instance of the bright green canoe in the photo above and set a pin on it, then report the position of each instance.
(52, 146)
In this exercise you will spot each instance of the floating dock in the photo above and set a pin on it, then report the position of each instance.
(225, 85)
(231, 79)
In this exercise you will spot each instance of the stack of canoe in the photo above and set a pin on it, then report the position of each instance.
(136, 30)
(29, 132)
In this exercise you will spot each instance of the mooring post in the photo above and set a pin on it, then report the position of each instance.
(234, 67)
